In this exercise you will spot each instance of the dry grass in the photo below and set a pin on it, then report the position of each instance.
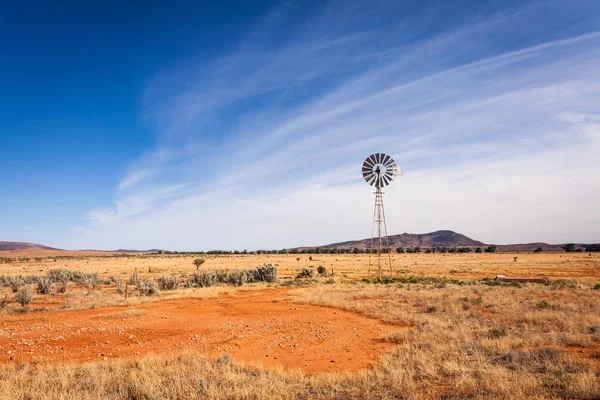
(187, 376)
(580, 266)
(482, 342)
(452, 341)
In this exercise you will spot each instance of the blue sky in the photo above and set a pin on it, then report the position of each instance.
(244, 125)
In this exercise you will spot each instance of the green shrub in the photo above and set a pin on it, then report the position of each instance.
(321, 270)
(431, 309)
(306, 273)
(597, 286)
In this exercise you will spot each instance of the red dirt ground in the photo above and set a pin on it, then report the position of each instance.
(251, 326)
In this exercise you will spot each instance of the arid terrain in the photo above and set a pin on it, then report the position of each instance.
(582, 266)
(440, 329)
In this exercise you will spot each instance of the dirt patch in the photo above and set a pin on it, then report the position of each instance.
(262, 326)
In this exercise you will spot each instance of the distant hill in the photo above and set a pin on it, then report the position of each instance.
(425, 240)
(444, 238)
(23, 246)
(14, 246)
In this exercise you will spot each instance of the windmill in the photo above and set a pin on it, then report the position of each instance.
(379, 171)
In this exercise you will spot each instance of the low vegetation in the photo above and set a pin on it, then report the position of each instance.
(57, 281)
(507, 343)
(461, 337)
(478, 341)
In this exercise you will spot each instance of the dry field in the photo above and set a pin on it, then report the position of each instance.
(450, 336)
(581, 266)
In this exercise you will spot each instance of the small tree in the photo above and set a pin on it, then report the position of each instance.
(491, 249)
(569, 248)
(593, 247)
(538, 250)
(198, 262)
(400, 249)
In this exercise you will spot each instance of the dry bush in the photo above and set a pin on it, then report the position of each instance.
(306, 272)
(44, 285)
(4, 302)
(120, 286)
(238, 277)
(24, 296)
(168, 282)
(60, 275)
(203, 279)
(148, 288)
(135, 279)
(265, 273)
(222, 276)
(61, 287)
(15, 282)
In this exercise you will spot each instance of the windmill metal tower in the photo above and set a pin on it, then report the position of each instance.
(379, 171)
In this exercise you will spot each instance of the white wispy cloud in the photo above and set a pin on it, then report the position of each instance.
(499, 138)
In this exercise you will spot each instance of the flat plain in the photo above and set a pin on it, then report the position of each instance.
(440, 329)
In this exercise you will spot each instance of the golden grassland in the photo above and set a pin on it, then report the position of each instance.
(581, 266)
(453, 341)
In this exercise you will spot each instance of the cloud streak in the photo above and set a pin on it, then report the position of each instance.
(499, 139)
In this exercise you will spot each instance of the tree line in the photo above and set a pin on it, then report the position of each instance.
(327, 250)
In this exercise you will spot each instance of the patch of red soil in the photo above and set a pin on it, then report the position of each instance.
(251, 326)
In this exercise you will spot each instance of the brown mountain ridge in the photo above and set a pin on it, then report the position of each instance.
(23, 246)
(442, 238)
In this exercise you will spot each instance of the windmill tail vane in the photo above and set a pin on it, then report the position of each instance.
(379, 170)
